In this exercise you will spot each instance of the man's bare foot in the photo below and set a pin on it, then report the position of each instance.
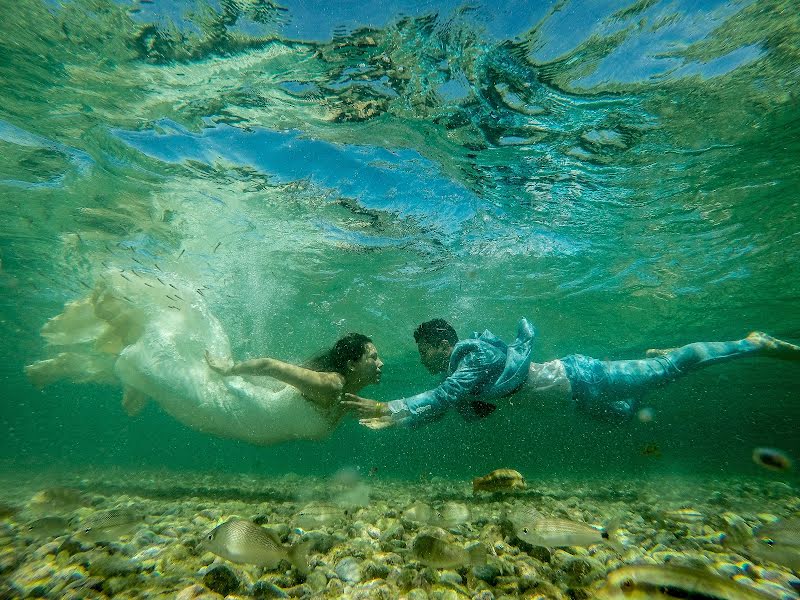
(656, 352)
(774, 347)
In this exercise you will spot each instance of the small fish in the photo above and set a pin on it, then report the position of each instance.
(175, 307)
(136, 261)
(452, 514)
(244, 542)
(434, 551)
(108, 525)
(123, 276)
(147, 284)
(159, 280)
(318, 514)
(784, 531)
(537, 530)
(182, 251)
(199, 291)
(499, 480)
(217, 246)
(58, 499)
(651, 449)
(664, 582)
(763, 550)
(685, 515)
(772, 459)
(419, 512)
(157, 267)
(47, 526)
(136, 274)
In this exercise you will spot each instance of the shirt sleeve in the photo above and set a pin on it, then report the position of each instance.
(431, 405)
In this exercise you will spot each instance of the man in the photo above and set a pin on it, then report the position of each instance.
(483, 369)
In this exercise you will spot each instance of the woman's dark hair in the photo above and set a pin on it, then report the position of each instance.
(434, 331)
(350, 347)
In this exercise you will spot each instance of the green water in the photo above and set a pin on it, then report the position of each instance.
(626, 178)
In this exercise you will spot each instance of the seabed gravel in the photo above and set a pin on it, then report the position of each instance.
(362, 533)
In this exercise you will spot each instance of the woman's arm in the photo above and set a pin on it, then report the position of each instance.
(321, 388)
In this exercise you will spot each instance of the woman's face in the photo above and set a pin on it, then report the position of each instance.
(367, 369)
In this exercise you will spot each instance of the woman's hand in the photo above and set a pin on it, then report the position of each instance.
(220, 365)
(366, 409)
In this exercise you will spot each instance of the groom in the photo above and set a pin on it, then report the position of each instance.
(482, 370)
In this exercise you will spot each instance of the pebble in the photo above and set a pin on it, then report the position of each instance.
(450, 577)
(417, 594)
(349, 570)
(366, 556)
(317, 580)
(262, 590)
(222, 579)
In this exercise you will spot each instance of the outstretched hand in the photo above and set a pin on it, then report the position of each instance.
(378, 423)
(220, 365)
(366, 408)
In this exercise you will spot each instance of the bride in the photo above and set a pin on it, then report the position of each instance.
(160, 341)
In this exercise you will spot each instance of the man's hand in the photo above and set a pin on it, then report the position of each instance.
(378, 422)
(219, 365)
(367, 409)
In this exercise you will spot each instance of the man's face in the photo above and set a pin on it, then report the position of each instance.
(435, 357)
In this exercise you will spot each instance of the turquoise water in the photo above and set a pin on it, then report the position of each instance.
(624, 175)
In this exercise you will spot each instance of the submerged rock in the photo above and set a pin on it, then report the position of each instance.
(222, 579)
(264, 589)
(349, 570)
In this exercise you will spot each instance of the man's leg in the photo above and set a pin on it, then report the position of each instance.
(614, 388)
(700, 354)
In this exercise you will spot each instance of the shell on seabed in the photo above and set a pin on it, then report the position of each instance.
(499, 480)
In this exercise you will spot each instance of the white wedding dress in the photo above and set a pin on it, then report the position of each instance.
(151, 339)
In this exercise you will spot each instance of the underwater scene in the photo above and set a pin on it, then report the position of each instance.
(404, 299)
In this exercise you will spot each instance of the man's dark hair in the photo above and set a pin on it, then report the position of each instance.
(434, 331)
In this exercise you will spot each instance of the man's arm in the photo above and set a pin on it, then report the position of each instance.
(425, 407)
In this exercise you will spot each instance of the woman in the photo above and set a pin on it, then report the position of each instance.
(350, 365)
(152, 336)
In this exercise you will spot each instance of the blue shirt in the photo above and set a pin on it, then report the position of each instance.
(481, 368)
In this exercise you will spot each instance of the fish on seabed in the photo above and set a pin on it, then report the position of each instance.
(318, 514)
(778, 542)
(499, 480)
(242, 541)
(538, 530)
(108, 525)
(432, 549)
(665, 582)
(419, 512)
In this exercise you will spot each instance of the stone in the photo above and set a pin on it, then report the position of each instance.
(488, 573)
(264, 589)
(450, 577)
(417, 594)
(349, 570)
(71, 546)
(108, 566)
(222, 579)
(335, 588)
(375, 570)
(317, 580)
